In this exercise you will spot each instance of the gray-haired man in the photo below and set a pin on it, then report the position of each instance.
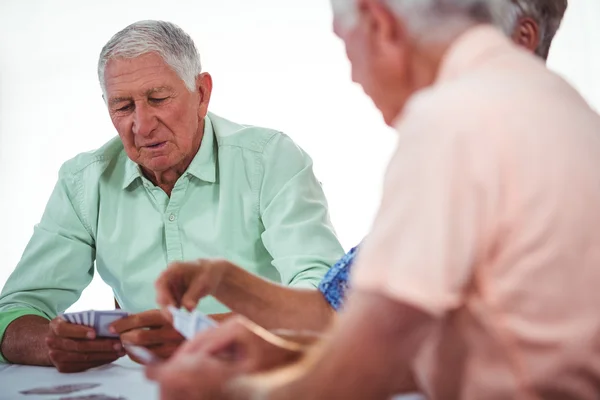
(179, 183)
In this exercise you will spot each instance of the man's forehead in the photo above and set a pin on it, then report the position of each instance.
(142, 75)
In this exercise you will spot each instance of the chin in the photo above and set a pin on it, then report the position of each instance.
(158, 164)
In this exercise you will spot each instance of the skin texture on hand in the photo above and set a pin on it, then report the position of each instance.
(217, 356)
(24, 341)
(75, 348)
(150, 329)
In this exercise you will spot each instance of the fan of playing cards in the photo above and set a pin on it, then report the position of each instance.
(99, 320)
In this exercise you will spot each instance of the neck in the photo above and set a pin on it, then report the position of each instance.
(426, 60)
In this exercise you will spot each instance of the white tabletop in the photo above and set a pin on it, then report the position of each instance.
(122, 380)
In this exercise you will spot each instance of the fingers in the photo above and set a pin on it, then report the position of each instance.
(152, 337)
(65, 357)
(146, 319)
(62, 328)
(184, 284)
(79, 367)
(84, 346)
(198, 288)
(170, 286)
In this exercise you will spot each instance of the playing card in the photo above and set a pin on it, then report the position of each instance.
(103, 319)
(190, 324)
(99, 320)
(93, 397)
(61, 389)
(202, 322)
(141, 353)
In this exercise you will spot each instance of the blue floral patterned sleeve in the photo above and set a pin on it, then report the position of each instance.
(335, 283)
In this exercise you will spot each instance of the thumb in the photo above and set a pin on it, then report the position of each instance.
(197, 289)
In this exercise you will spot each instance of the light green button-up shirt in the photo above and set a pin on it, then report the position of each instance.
(249, 195)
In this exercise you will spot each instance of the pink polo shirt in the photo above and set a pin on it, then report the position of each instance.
(490, 221)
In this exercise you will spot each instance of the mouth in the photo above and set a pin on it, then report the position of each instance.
(155, 145)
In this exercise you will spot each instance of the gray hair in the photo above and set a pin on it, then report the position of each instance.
(548, 15)
(164, 38)
(436, 19)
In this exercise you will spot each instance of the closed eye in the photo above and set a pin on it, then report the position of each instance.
(124, 108)
(157, 99)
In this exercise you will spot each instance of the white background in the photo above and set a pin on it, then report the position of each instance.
(275, 63)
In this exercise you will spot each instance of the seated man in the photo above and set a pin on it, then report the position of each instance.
(273, 306)
(178, 183)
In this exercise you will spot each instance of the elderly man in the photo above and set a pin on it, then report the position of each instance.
(178, 183)
(455, 289)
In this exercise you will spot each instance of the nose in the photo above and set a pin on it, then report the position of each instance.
(144, 120)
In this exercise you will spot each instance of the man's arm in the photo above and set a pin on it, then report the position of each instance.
(271, 305)
(266, 303)
(56, 266)
(298, 232)
(25, 341)
(368, 355)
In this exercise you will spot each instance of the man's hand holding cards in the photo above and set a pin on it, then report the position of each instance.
(148, 329)
(83, 343)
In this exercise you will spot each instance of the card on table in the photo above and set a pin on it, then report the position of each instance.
(99, 320)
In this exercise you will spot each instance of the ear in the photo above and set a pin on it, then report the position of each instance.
(527, 34)
(204, 85)
(383, 25)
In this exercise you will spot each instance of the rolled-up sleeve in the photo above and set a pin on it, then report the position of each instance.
(58, 262)
(298, 232)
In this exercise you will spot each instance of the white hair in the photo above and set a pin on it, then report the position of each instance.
(166, 39)
(437, 19)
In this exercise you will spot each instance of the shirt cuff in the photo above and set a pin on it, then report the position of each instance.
(8, 317)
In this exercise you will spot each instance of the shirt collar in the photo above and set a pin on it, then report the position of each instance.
(203, 166)
(473, 47)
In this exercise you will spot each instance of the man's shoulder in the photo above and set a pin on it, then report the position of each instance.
(96, 161)
(247, 137)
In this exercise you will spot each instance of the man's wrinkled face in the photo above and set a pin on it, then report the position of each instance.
(157, 117)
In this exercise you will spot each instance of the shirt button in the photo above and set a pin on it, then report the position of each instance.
(172, 217)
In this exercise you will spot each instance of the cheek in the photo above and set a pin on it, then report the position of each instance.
(123, 128)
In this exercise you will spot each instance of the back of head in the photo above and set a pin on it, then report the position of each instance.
(440, 20)
(166, 39)
(547, 14)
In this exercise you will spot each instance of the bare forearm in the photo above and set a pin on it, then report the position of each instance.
(271, 305)
(382, 334)
(24, 341)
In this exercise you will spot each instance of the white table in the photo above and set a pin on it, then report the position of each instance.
(121, 379)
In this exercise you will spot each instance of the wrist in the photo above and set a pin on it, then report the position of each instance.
(225, 274)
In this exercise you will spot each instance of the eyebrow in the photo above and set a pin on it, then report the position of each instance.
(116, 100)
